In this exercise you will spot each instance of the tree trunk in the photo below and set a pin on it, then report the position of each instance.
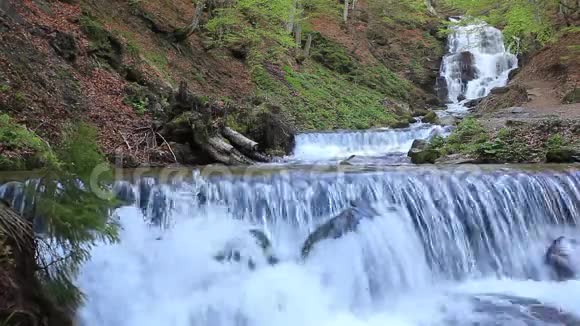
(345, 12)
(239, 140)
(298, 35)
(308, 46)
(182, 34)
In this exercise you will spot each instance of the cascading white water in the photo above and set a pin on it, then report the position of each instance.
(321, 146)
(477, 61)
(461, 244)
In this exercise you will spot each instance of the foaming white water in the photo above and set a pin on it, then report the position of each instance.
(477, 62)
(371, 143)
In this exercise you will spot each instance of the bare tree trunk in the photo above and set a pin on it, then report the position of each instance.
(431, 8)
(183, 33)
(239, 140)
(298, 35)
(345, 12)
(308, 46)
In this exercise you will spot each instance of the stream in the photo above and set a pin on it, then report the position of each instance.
(448, 245)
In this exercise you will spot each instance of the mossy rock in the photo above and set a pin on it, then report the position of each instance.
(422, 153)
(401, 124)
(430, 117)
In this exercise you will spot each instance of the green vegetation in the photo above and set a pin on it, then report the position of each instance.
(66, 201)
(21, 148)
(4, 88)
(526, 24)
(472, 139)
(252, 23)
(75, 217)
(319, 98)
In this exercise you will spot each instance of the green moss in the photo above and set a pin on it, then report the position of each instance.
(29, 150)
(4, 88)
(97, 35)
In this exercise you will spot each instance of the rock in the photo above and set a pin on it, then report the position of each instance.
(441, 89)
(456, 159)
(233, 251)
(500, 90)
(419, 112)
(447, 120)
(347, 161)
(401, 124)
(473, 103)
(430, 117)
(65, 45)
(345, 222)
(513, 73)
(461, 97)
(420, 153)
(467, 65)
(563, 155)
(563, 256)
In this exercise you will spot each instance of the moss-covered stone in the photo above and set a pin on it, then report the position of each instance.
(430, 117)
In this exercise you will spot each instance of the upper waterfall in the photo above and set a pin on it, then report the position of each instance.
(477, 61)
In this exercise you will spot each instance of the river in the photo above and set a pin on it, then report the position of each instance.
(450, 245)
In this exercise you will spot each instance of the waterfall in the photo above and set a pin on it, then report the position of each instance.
(462, 243)
(329, 146)
(477, 62)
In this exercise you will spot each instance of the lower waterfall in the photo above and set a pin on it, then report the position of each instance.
(463, 247)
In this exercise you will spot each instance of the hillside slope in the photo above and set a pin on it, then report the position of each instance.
(118, 66)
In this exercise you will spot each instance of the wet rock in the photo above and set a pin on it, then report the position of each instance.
(401, 124)
(461, 97)
(441, 89)
(234, 251)
(473, 103)
(499, 309)
(563, 256)
(513, 73)
(563, 155)
(430, 117)
(336, 227)
(467, 66)
(420, 153)
(500, 90)
(419, 112)
(447, 120)
(65, 45)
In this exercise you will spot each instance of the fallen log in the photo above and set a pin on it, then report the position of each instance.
(220, 150)
(239, 140)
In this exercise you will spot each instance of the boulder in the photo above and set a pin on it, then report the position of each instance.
(513, 73)
(447, 120)
(467, 66)
(420, 153)
(461, 97)
(563, 256)
(441, 89)
(500, 90)
(563, 155)
(401, 124)
(473, 103)
(234, 252)
(336, 227)
(430, 117)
